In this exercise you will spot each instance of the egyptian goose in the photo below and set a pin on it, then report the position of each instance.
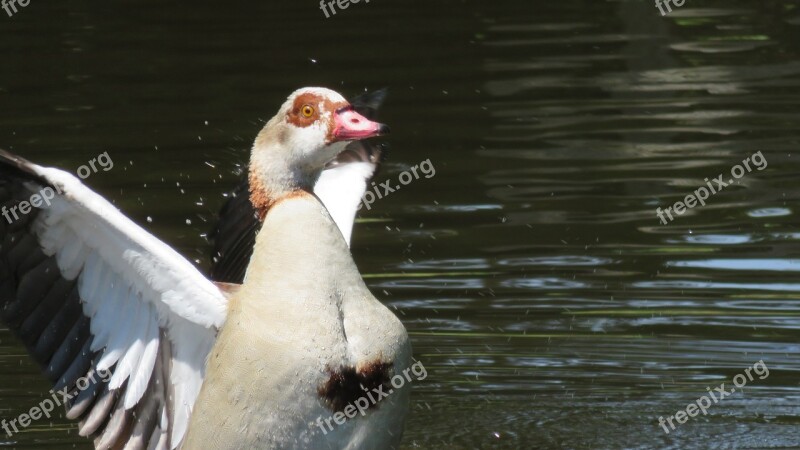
(88, 291)
(340, 187)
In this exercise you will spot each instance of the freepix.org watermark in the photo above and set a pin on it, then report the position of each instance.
(719, 183)
(324, 5)
(371, 398)
(58, 398)
(405, 178)
(717, 395)
(10, 6)
(47, 193)
(661, 3)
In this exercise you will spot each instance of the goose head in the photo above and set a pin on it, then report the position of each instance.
(311, 128)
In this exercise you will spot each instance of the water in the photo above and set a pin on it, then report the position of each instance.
(550, 306)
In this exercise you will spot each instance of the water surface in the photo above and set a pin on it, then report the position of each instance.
(550, 306)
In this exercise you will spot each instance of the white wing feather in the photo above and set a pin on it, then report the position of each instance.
(136, 290)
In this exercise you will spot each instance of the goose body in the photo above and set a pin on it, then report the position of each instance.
(254, 366)
(348, 331)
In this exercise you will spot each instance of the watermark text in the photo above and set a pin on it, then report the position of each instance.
(381, 190)
(10, 6)
(371, 398)
(702, 194)
(57, 398)
(718, 394)
(46, 194)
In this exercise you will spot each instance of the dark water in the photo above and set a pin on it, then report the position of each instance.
(549, 305)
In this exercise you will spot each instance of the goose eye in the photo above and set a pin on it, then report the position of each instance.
(307, 111)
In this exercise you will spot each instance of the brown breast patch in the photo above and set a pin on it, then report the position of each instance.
(347, 384)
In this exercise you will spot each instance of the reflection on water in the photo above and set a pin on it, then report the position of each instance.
(550, 306)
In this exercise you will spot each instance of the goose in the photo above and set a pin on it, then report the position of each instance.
(340, 187)
(190, 363)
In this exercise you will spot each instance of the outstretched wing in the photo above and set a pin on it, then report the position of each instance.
(340, 188)
(120, 322)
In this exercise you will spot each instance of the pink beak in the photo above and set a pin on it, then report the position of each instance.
(351, 126)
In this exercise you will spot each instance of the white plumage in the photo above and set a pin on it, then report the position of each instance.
(133, 287)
